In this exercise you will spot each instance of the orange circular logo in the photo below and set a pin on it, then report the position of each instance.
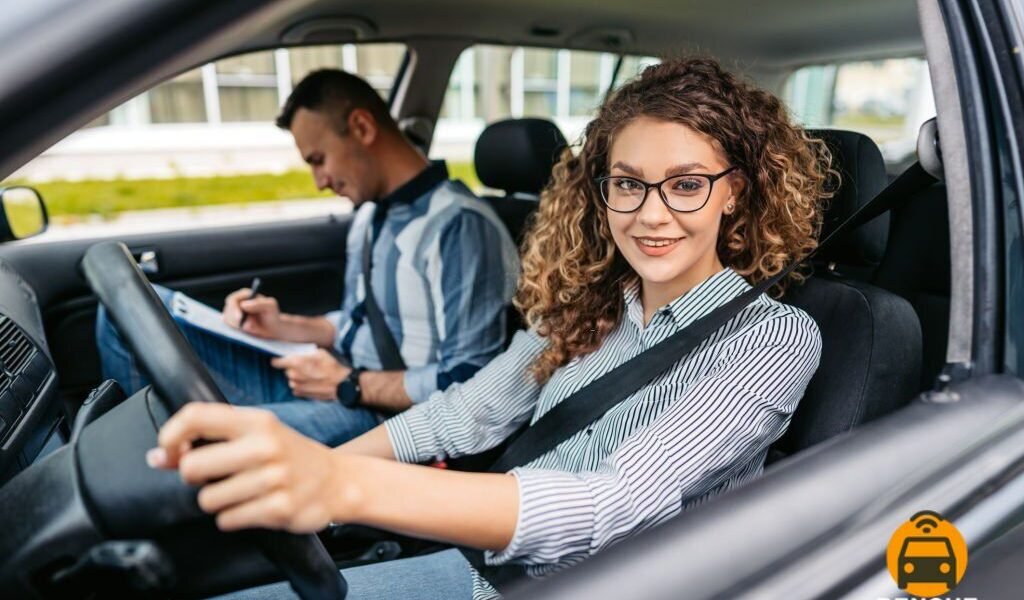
(927, 556)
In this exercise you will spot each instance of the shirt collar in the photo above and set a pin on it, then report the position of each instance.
(425, 181)
(692, 305)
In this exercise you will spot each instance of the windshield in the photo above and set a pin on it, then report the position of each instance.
(927, 549)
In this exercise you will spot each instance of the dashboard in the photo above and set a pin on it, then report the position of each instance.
(30, 413)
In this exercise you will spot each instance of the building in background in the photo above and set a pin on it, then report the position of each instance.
(218, 119)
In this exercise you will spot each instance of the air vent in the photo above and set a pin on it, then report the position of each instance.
(15, 352)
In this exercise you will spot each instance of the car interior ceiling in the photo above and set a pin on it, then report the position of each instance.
(782, 33)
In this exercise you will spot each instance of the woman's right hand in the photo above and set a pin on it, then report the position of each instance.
(264, 316)
(261, 473)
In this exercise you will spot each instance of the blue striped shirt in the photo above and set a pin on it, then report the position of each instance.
(443, 271)
(701, 428)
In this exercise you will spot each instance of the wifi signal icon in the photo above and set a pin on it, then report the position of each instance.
(925, 522)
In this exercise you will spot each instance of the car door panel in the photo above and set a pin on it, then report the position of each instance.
(301, 263)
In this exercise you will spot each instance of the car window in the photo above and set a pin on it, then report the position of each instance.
(199, 149)
(490, 83)
(926, 548)
(887, 100)
(632, 66)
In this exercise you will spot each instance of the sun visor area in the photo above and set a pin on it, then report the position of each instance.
(333, 29)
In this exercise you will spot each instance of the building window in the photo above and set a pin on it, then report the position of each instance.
(589, 77)
(887, 100)
(540, 82)
(179, 100)
(492, 82)
(305, 60)
(378, 64)
(247, 87)
(631, 67)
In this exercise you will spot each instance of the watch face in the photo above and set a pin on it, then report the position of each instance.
(348, 395)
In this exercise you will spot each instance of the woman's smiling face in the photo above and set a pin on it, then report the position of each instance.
(671, 251)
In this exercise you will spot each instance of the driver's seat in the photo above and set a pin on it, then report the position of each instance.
(871, 338)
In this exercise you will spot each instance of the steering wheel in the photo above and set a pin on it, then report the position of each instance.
(179, 377)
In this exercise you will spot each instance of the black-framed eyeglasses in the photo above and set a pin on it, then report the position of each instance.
(681, 193)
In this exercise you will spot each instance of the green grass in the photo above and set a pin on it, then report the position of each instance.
(467, 173)
(66, 200)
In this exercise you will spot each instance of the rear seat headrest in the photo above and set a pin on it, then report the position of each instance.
(862, 175)
(517, 155)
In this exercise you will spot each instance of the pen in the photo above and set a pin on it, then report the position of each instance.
(255, 289)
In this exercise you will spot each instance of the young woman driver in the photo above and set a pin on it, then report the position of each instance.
(691, 185)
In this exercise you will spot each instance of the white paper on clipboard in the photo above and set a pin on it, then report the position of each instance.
(203, 317)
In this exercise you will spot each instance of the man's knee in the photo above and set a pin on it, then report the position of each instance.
(106, 332)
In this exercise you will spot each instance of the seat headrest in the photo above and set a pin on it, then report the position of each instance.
(517, 155)
(862, 175)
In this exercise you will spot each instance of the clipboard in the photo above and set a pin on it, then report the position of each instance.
(201, 316)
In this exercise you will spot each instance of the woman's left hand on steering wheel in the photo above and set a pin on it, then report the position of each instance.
(260, 473)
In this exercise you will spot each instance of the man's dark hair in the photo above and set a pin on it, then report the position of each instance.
(335, 94)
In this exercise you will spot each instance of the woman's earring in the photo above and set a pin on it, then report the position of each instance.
(729, 207)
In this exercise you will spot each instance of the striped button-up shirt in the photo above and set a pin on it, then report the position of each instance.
(443, 271)
(701, 428)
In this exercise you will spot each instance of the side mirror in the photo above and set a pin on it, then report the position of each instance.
(23, 215)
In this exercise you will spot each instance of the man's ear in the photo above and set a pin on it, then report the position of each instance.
(363, 126)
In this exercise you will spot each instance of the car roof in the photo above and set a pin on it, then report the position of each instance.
(776, 34)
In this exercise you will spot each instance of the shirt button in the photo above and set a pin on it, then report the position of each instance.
(590, 431)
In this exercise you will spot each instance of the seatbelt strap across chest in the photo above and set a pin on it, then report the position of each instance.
(383, 339)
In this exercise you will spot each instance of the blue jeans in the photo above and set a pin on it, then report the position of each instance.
(244, 376)
(440, 576)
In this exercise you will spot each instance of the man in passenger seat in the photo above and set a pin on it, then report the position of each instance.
(442, 269)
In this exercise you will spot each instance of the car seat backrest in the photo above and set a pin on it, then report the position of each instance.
(871, 339)
(862, 176)
(917, 267)
(870, 358)
(516, 156)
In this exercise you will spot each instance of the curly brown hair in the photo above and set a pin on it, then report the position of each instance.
(571, 288)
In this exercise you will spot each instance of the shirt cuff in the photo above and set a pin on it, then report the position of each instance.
(420, 382)
(334, 318)
(538, 538)
(411, 436)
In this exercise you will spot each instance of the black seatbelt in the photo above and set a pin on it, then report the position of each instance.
(383, 339)
(590, 402)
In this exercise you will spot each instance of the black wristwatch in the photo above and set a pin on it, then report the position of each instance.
(349, 392)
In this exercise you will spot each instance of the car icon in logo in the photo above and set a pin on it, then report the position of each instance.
(927, 560)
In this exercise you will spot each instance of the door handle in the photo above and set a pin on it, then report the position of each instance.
(148, 260)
